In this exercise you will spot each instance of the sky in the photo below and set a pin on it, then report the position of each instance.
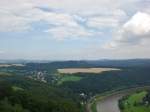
(74, 29)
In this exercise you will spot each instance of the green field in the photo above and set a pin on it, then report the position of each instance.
(15, 88)
(5, 74)
(133, 103)
(68, 78)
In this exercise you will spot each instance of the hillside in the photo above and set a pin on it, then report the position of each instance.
(39, 87)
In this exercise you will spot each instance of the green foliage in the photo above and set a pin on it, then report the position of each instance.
(93, 107)
(15, 88)
(34, 96)
(146, 99)
(38, 99)
(68, 78)
(91, 84)
(134, 103)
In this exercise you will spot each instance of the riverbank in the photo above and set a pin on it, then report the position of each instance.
(136, 102)
(92, 103)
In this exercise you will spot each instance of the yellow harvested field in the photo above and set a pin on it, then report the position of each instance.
(4, 65)
(9, 65)
(85, 70)
(20, 65)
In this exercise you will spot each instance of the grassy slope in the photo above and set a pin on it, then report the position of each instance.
(68, 78)
(129, 103)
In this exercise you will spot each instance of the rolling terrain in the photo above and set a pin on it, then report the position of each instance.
(68, 91)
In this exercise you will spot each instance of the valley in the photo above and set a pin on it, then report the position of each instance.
(66, 90)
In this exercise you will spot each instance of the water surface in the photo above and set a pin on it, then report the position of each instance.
(109, 104)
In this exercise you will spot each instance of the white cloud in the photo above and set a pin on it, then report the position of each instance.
(10, 22)
(19, 16)
(100, 14)
(136, 31)
(81, 6)
(102, 22)
(14, 18)
(25, 12)
(62, 33)
(77, 19)
(139, 24)
(109, 20)
(20, 19)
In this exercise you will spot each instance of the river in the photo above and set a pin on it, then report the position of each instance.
(109, 104)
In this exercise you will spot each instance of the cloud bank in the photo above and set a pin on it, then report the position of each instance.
(108, 27)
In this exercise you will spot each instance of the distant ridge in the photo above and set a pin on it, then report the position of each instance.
(87, 63)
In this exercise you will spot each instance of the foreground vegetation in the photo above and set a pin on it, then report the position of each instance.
(24, 95)
(134, 103)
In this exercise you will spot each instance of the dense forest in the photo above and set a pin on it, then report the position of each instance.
(34, 97)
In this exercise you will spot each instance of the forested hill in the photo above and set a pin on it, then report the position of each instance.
(85, 63)
(18, 94)
(121, 63)
(96, 63)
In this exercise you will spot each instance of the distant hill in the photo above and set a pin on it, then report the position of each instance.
(103, 63)
(86, 63)
(121, 63)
